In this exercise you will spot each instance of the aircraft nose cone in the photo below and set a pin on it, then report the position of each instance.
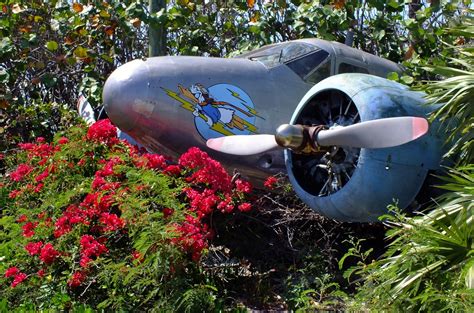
(122, 93)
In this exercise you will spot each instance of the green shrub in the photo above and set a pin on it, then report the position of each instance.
(426, 266)
(90, 220)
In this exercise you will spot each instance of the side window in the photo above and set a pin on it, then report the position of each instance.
(349, 68)
(324, 71)
(304, 65)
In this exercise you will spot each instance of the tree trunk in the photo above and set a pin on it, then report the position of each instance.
(156, 33)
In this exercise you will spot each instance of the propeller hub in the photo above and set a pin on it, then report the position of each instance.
(299, 138)
(290, 136)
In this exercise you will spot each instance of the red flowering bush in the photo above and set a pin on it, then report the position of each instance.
(107, 224)
(271, 182)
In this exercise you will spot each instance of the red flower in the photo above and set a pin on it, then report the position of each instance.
(43, 161)
(193, 236)
(103, 132)
(14, 193)
(226, 206)
(137, 256)
(77, 279)
(110, 186)
(63, 140)
(97, 182)
(243, 186)
(37, 150)
(18, 279)
(28, 229)
(38, 187)
(85, 260)
(155, 161)
(270, 182)
(40, 139)
(48, 254)
(21, 171)
(12, 271)
(111, 221)
(34, 248)
(73, 215)
(245, 207)
(173, 170)
(167, 212)
(22, 218)
(18, 276)
(27, 146)
(206, 170)
(42, 176)
(90, 248)
(105, 202)
(41, 273)
(62, 227)
(202, 203)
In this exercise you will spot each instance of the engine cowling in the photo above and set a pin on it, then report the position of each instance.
(352, 184)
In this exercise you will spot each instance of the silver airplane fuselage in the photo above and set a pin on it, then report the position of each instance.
(169, 104)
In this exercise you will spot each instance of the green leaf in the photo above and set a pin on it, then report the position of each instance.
(4, 76)
(52, 45)
(381, 34)
(410, 22)
(393, 76)
(107, 58)
(104, 14)
(80, 52)
(6, 46)
(49, 80)
(393, 3)
(407, 79)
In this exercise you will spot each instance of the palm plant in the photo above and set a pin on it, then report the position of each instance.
(429, 264)
(456, 92)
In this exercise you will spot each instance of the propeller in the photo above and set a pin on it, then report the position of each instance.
(381, 133)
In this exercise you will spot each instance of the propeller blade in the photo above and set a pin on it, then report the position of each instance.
(381, 133)
(243, 144)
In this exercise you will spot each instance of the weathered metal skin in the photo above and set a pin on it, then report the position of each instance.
(382, 176)
(136, 100)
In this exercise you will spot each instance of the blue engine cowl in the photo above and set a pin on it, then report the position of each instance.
(380, 176)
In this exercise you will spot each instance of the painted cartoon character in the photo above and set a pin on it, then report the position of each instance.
(213, 110)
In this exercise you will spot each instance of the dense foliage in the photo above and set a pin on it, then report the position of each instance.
(50, 51)
(89, 219)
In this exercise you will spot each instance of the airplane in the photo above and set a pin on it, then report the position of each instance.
(169, 104)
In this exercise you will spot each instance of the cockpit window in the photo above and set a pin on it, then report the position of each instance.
(306, 64)
(322, 72)
(274, 55)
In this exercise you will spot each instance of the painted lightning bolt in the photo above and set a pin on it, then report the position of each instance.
(184, 104)
(243, 102)
(235, 95)
(252, 111)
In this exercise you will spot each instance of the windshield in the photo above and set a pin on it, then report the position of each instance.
(309, 67)
(277, 54)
